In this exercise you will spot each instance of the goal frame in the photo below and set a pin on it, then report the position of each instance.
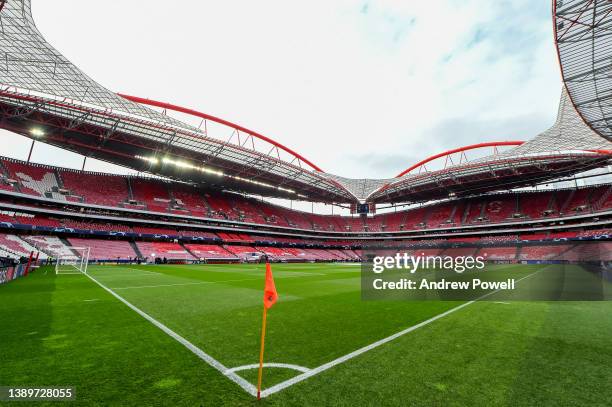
(75, 264)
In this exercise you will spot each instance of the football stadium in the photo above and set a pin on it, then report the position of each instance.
(148, 287)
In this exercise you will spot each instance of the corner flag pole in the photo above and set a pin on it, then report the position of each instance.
(270, 297)
(261, 353)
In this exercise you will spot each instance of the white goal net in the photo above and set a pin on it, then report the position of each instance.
(74, 262)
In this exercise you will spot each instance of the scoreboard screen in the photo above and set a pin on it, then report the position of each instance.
(363, 208)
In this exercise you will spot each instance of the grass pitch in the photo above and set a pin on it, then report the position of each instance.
(66, 330)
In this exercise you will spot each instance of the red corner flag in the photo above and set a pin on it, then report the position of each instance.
(270, 294)
(270, 297)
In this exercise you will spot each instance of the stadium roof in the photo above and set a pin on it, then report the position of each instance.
(44, 96)
(583, 35)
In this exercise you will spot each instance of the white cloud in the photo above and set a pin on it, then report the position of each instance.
(333, 80)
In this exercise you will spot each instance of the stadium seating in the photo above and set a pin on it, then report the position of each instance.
(209, 251)
(272, 215)
(14, 247)
(50, 245)
(500, 208)
(533, 236)
(459, 252)
(154, 231)
(104, 227)
(105, 249)
(171, 251)
(235, 237)
(548, 252)
(152, 193)
(242, 252)
(286, 254)
(97, 189)
(440, 215)
(197, 233)
(499, 238)
(34, 180)
(416, 218)
(392, 221)
(191, 200)
(537, 205)
(578, 201)
(585, 252)
(595, 233)
(497, 253)
(157, 195)
(221, 208)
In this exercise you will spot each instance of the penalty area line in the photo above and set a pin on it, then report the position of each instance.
(245, 385)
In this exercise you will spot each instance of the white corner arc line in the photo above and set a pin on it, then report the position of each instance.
(246, 386)
(312, 372)
(271, 364)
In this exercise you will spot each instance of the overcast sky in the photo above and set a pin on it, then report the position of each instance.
(361, 88)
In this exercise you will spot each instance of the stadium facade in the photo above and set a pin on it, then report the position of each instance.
(203, 196)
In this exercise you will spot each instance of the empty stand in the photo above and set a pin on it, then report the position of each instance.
(152, 193)
(209, 251)
(171, 251)
(105, 249)
(97, 189)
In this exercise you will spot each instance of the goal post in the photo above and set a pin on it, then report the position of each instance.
(73, 263)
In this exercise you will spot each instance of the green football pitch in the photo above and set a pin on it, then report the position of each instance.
(189, 335)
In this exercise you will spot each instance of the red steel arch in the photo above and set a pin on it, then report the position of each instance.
(180, 109)
(459, 150)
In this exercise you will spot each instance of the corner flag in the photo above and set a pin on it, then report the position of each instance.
(270, 294)
(270, 297)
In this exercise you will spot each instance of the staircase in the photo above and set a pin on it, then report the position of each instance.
(589, 200)
(203, 198)
(5, 172)
(426, 216)
(451, 218)
(58, 177)
(551, 203)
(129, 185)
(466, 212)
(31, 246)
(517, 204)
(560, 255)
(569, 198)
(603, 198)
(67, 244)
(136, 249)
(483, 207)
(189, 251)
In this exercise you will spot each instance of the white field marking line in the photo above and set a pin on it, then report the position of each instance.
(205, 282)
(302, 274)
(107, 269)
(312, 372)
(92, 300)
(180, 284)
(245, 385)
(271, 364)
(144, 271)
(158, 285)
(106, 275)
(501, 302)
(131, 268)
